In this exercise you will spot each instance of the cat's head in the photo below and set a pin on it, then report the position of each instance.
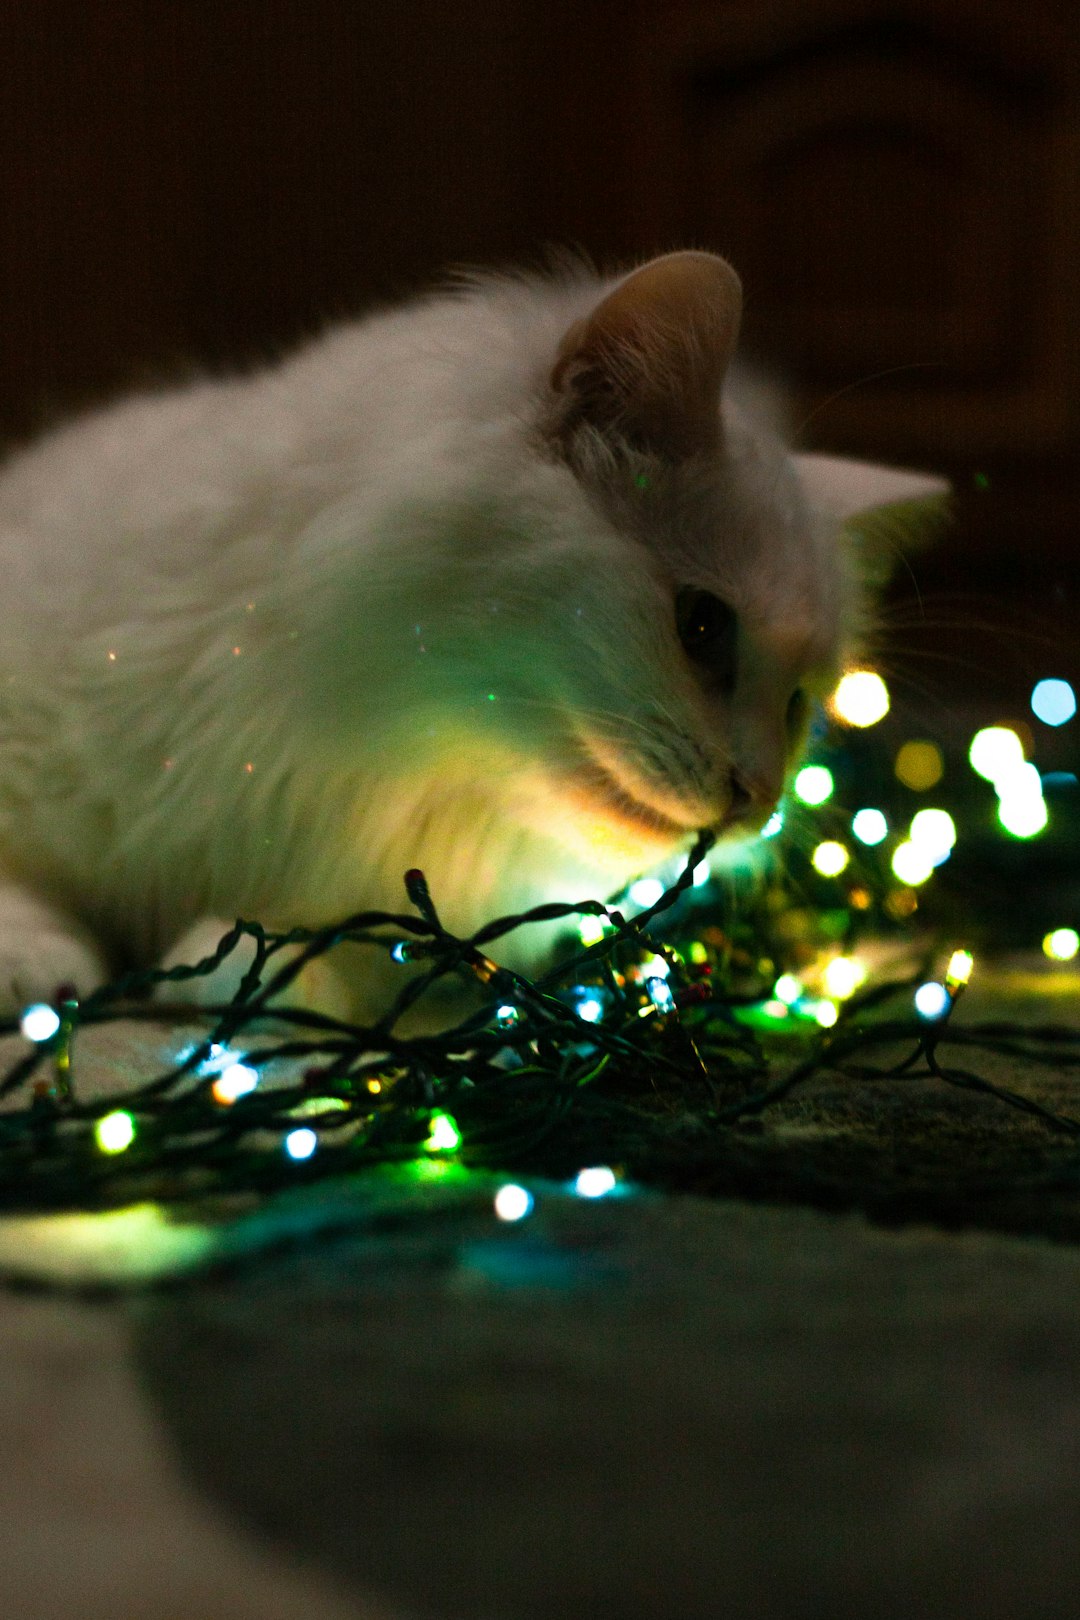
(642, 593)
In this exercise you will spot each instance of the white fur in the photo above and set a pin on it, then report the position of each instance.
(248, 630)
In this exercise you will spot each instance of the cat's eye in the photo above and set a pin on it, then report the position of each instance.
(707, 628)
(798, 713)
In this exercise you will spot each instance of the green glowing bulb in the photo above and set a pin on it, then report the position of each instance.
(814, 784)
(114, 1132)
(1023, 816)
(444, 1136)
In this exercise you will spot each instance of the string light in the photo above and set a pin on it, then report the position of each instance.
(843, 976)
(443, 1136)
(932, 1000)
(959, 969)
(995, 752)
(39, 1022)
(830, 858)
(301, 1143)
(646, 892)
(870, 826)
(861, 699)
(233, 1083)
(1061, 944)
(595, 1182)
(919, 765)
(513, 1203)
(814, 784)
(1053, 702)
(115, 1131)
(934, 832)
(788, 989)
(911, 864)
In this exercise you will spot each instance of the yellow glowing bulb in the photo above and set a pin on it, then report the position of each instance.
(959, 968)
(919, 765)
(1062, 944)
(830, 858)
(862, 698)
(114, 1132)
(911, 863)
(843, 977)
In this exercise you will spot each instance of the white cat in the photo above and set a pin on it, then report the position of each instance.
(495, 584)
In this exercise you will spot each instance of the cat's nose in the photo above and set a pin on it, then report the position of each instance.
(752, 799)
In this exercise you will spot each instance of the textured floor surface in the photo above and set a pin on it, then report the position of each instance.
(641, 1406)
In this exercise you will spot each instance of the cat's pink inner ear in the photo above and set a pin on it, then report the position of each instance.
(649, 361)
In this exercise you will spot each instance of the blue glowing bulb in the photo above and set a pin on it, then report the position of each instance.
(1053, 702)
(932, 1000)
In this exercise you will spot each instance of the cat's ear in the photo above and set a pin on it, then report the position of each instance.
(648, 362)
(886, 510)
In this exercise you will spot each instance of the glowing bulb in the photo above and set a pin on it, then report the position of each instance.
(995, 752)
(594, 1182)
(646, 891)
(775, 1009)
(591, 930)
(702, 874)
(826, 1013)
(869, 826)
(39, 1022)
(843, 977)
(830, 858)
(235, 1081)
(443, 1136)
(506, 1015)
(1062, 945)
(919, 765)
(590, 1009)
(660, 995)
(814, 784)
(1053, 702)
(773, 825)
(934, 832)
(932, 1000)
(301, 1143)
(959, 968)
(1023, 816)
(114, 1132)
(513, 1203)
(788, 989)
(911, 864)
(862, 698)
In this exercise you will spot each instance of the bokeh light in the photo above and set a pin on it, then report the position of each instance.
(934, 831)
(39, 1022)
(911, 863)
(995, 752)
(830, 858)
(773, 825)
(932, 1000)
(959, 968)
(594, 1182)
(861, 698)
(788, 989)
(301, 1143)
(843, 976)
(919, 765)
(1053, 702)
(115, 1132)
(1062, 944)
(814, 784)
(513, 1203)
(869, 826)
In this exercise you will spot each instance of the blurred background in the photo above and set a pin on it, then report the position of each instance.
(898, 182)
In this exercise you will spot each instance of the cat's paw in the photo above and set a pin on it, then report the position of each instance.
(40, 953)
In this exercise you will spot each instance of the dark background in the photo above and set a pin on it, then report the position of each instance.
(899, 185)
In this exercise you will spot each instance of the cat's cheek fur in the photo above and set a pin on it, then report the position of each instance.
(41, 952)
